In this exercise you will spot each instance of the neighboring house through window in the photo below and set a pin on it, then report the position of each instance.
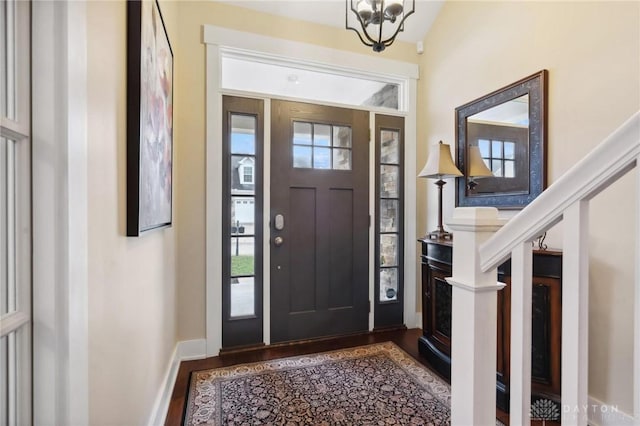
(246, 171)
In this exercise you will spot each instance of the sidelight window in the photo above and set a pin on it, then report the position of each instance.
(389, 226)
(389, 214)
(243, 214)
(242, 224)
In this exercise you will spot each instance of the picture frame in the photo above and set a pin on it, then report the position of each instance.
(494, 120)
(149, 119)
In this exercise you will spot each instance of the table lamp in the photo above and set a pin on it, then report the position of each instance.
(477, 167)
(440, 166)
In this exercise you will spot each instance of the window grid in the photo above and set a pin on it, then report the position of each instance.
(247, 175)
(316, 144)
(498, 156)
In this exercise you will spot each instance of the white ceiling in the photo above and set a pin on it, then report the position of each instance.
(332, 13)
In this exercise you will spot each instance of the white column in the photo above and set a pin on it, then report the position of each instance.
(575, 314)
(474, 319)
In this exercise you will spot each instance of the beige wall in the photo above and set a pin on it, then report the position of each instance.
(132, 281)
(592, 52)
(190, 101)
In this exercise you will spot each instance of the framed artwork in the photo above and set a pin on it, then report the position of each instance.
(149, 119)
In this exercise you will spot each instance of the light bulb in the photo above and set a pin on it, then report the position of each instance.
(393, 8)
(364, 11)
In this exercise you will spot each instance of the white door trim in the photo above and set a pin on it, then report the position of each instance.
(220, 40)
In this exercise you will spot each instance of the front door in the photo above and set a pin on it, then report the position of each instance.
(319, 221)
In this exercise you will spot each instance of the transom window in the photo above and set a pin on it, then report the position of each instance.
(321, 146)
(499, 156)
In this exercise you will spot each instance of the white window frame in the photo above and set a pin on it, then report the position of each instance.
(15, 129)
(222, 41)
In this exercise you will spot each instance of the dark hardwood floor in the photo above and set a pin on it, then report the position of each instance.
(406, 339)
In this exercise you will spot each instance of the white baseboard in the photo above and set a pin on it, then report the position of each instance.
(184, 351)
(601, 414)
(192, 349)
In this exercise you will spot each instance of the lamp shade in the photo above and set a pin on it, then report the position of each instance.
(440, 164)
(477, 166)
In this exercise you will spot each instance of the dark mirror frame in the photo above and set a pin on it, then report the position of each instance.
(536, 87)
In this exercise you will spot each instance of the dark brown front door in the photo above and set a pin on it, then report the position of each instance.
(319, 221)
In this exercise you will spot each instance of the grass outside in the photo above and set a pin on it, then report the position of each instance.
(241, 265)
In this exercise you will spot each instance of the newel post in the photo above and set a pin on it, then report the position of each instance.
(474, 319)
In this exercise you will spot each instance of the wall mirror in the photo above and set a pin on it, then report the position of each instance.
(509, 131)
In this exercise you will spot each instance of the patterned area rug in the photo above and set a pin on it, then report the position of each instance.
(377, 384)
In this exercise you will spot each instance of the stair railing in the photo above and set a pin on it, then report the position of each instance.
(478, 251)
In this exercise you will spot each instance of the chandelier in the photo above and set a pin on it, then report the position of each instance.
(378, 22)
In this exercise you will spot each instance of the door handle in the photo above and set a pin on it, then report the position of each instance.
(278, 241)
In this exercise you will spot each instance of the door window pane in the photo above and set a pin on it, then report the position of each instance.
(242, 216)
(485, 148)
(242, 256)
(242, 296)
(301, 133)
(509, 169)
(388, 250)
(389, 181)
(242, 174)
(342, 136)
(321, 135)
(496, 167)
(321, 158)
(496, 149)
(243, 134)
(510, 150)
(341, 159)
(388, 215)
(388, 284)
(389, 146)
(301, 157)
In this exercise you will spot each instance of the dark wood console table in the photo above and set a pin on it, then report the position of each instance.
(435, 344)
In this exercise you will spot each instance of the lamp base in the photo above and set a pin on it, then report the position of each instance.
(439, 235)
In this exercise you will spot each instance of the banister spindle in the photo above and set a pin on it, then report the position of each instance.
(521, 289)
(575, 314)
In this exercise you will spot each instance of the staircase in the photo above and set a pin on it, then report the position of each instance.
(483, 241)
